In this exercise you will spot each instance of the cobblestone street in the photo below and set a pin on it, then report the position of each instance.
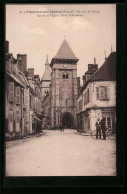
(62, 154)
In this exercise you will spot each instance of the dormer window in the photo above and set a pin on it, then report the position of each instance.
(65, 75)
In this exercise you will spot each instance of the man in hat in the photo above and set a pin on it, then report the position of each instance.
(98, 128)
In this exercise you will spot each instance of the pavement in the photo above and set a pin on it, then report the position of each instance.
(24, 139)
(62, 154)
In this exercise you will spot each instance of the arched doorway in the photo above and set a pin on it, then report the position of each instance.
(67, 120)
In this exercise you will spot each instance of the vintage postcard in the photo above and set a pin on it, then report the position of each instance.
(60, 90)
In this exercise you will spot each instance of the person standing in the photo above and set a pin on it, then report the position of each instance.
(98, 128)
(61, 127)
(103, 128)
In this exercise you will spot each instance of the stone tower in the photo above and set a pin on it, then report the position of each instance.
(46, 79)
(63, 88)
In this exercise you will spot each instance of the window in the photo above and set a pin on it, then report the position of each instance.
(109, 122)
(11, 91)
(80, 104)
(102, 93)
(65, 75)
(86, 97)
(11, 119)
(17, 118)
(18, 95)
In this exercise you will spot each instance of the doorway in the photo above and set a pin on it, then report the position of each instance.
(67, 120)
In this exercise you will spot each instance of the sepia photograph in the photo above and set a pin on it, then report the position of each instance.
(60, 96)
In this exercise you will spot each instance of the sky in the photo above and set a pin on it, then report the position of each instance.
(38, 30)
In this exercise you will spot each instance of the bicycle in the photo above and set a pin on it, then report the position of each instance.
(109, 133)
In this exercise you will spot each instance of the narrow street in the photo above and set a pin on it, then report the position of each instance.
(61, 154)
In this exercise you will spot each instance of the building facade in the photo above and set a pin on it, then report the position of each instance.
(98, 97)
(23, 97)
(14, 99)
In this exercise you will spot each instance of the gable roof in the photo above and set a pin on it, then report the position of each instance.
(107, 72)
(65, 52)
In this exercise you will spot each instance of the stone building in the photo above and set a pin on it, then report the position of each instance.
(63, 87)
(14, 99)
(33, 97)
(46, 113)
(23, 97)
(97, 98)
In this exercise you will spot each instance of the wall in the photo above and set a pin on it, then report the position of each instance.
(92, 95)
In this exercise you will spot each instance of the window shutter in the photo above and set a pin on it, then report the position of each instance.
(108, 93)
(105, 93)
(11, 118)
(101, 93)
(18, 95)
(11, 91)
(97, 93)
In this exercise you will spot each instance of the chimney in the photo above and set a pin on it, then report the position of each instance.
(84, 79)
(78, 79)
(6, 47)
(20, 65)
(31, 73)
(78, 84)
(92, 68)
(24, 62)
(94, 61)
(36, 78)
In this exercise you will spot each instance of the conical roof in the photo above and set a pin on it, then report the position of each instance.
(47, 73)
(65, 52)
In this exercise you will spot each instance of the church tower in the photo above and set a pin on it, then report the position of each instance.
(46, 79)
(63, 88)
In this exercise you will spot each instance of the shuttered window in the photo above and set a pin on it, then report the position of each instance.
(11, 91)
(86, 97)
(102, 93)
(11, 120)
(17, 95)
